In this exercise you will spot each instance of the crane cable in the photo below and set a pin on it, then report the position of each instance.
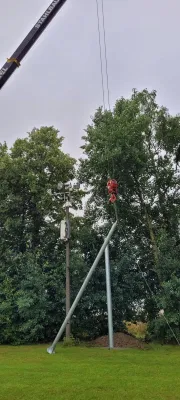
(100, 53)
(107, 77)
(105, 54)
(102, 76)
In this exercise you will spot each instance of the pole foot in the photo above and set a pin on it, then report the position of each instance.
(50, 350)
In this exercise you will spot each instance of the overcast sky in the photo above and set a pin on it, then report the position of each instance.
(59, 81)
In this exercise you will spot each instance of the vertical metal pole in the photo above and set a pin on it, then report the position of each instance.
(68, 289)
(109, 298)
(50, 349)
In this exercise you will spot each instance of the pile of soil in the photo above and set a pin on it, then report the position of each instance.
(121, 340)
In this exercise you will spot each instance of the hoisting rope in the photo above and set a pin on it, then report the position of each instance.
(100, 53)
(112, 190)
(105, 51)
(107, 78)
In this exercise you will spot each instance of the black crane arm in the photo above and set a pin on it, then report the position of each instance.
(14, 61)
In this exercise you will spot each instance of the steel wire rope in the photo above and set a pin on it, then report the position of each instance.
(105, 53)
(106, 152)
(100, 53)
(106, 65)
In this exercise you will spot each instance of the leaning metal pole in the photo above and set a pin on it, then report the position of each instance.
(109, 298)
(51, 349)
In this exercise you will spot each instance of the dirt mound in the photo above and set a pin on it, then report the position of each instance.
(120, 340)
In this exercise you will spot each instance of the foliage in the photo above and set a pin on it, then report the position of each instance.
(29, 294)
(90, 317)
(127, 144)
(31, 206)
(32, 269)
(70, 341)
(136, 144)
(168, 299)
(138, 329)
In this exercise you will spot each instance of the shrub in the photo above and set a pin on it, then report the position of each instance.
(137, 329)
(71, 341)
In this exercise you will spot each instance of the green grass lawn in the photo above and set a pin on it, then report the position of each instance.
(29, 373)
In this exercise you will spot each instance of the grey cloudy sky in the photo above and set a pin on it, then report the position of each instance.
(59, 81)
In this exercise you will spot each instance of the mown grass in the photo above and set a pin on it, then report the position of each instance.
(29, 373)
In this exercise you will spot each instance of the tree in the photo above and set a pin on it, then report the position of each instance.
(136, 144)
(32, 258)
(30, 203)
(168, 298)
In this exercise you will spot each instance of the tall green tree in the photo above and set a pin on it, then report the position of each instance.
(32, 268)
(128, 144)
(136, 144)
(31, 205)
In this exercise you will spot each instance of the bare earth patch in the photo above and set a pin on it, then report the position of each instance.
(121, 340)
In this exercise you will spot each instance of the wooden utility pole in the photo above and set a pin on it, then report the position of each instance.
(65, 237)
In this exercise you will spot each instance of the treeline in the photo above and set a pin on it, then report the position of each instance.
(136, 144)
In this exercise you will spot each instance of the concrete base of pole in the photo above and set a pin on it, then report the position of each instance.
(50, 350)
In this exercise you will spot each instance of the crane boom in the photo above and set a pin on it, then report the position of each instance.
(14, 61)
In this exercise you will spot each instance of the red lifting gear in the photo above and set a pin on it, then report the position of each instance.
(112, 186)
